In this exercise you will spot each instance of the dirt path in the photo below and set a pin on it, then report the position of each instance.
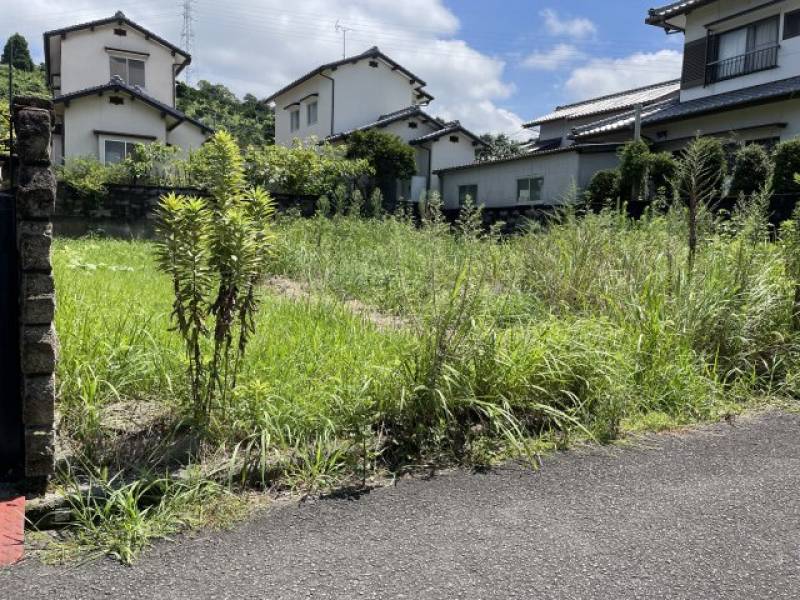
(710, 514)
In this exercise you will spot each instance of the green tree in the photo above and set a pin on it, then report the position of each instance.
(751, 170)
(249, 121)
(389, 156)
(498, 147)
(22, 56)
(707, 157)
(662, 168)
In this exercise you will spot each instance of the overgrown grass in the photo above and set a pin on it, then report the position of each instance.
(592, 327)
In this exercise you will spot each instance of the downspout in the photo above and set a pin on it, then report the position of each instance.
(333, 100)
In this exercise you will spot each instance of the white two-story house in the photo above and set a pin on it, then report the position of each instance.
(113, 85)
(372, 91)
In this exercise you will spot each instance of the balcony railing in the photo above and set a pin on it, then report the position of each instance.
(750, 62)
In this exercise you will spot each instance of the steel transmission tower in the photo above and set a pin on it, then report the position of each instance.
(187, 34)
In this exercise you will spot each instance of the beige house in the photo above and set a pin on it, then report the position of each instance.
(372, 91)
(113, 85)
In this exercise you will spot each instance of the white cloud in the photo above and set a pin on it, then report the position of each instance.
(578, 27)
(601, 76)
(556, 58)
(258, 46)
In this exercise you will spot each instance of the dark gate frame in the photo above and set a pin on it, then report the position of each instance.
(12, 440)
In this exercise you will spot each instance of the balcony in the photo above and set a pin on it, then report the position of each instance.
(744, 64)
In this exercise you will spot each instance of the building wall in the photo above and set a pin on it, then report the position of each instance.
(316, 85)
(187, 137)
(90, 113)
(447, 154)
(675, 135)
(362, 94)
(497, 183)
(86, 63)
(788, 54)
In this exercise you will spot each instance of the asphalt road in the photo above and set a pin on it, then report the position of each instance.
(710, 514)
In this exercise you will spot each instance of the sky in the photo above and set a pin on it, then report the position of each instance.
(493, 64)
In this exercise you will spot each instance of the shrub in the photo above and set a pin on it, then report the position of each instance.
(215, 251)
(662, 167)
(390, 157)
(87, 177)
(303, 170)
(602, 189)
(786, 163)
(751, 170)
(152, 164)
(634, 162)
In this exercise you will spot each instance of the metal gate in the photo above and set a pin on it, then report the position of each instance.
(11, 426)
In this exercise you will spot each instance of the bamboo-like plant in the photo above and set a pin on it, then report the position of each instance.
(215, 250)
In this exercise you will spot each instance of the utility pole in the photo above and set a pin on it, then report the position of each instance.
(187, 34)
(344, 31)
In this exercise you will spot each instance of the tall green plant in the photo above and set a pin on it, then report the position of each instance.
(215, 251)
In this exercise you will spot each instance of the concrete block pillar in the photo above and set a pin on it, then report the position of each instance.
(35, 202)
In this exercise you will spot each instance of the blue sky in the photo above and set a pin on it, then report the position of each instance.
(619, 32)
(493, 64)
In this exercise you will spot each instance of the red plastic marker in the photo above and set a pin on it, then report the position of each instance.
(12, 530)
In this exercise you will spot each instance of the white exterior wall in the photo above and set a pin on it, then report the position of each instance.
(497, 183)
(90, 113)
(86, 63)
(316, 85)
(362, 94)
(406, 133)
(787, 111)
(788, 53)
(187, 137)
(447, 154)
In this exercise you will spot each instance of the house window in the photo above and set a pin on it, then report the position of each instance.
(116, 100)
(791, 24)
(311, 113)
(115, 151)
(744, 50)
(454, 139)
(529, 190)
(294, 120)
(465, 191)
(130, 70)
(120, 32)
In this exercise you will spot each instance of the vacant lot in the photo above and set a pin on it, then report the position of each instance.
(381, 345)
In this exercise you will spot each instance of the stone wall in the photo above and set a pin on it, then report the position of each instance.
(126, 211)
(35, 203)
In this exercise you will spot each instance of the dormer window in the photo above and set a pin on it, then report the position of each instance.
(130, 70)
(743, 50)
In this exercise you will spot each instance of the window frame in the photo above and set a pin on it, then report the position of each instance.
(127, 146)
(315, 105)
(529, 180)
(786, 15)
(294, 117)
(713, 47)
(463, 196)
(126, 77)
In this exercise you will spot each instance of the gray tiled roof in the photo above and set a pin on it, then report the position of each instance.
(758, 94)
(451, 127)
(612, 102)
(618, 122)
(657, 16)
(388, 119)
(373, 52)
